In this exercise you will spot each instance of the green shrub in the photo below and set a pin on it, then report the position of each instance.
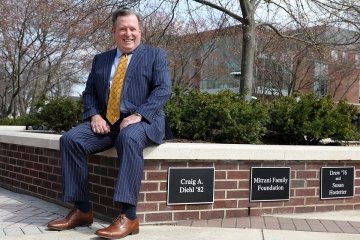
(308, 119)
(223, 117)
(61, 114)
(26, 120)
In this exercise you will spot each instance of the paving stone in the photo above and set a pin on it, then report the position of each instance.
(214, 223)
(199, 223)
(31, 230)
(229, 223)
(243, 222)
(346, 227)
(14, 231)
(301, 225)
(331, 226)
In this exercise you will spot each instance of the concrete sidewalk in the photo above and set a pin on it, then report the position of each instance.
(24, 217)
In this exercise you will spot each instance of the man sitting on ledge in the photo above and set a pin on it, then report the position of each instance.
(123, 108)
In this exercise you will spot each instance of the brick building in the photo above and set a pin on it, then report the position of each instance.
(211, 61)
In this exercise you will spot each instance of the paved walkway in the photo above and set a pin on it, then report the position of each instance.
(25, 217)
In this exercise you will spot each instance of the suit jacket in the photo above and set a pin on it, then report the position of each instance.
(147, 87)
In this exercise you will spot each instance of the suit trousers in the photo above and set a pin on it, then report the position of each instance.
(81, 141)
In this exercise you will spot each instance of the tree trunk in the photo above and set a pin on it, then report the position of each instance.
(247, 61)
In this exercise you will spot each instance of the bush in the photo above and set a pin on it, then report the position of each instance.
(223, 117)
(61, 114)
(309, 119)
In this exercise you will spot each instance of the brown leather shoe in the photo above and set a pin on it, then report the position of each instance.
(74, 219)
(121, 227)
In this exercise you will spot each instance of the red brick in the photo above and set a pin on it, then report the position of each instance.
(166, 165)
(226, 166)
(156, 176)
(272, 204)
(158, 217)
(110, 191)
(163, 207)
(209, 164)
(244, 184)
(295, 201)
(43, 159)
(25, 171)
(149, 186)
(225, 204)
(306, 174)
(106, 181)
(314, 166)
(108, 162)
(344, 207)
(98, 189)
(219, 194)
(56, 187)
(54, 161)
(155, 197)
(98, 208)
(186, 215)
(215, 214)
(147, 207)
(226, 184)
(305, 192)
(24, 185)
(106, 201)
(199, 207)
(236, 213)
(220, 175)
(300, 166)
(355, 199)
(281, 210)
(314, 201)
(324, 208)
(151, 165)
(304, 209)
(260, 211)
(238, 175)
(237, 194)
(94, 178)
(312, 183)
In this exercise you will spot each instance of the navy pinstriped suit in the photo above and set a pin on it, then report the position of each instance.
(147, 88)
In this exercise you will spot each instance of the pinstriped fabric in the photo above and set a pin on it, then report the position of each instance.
(80, 141)
(75, 145)
(130, 144)
(146, 89)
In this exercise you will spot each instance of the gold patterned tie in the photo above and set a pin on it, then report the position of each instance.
(113, 106)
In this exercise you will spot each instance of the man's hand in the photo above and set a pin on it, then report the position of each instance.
(99, 125)
(134, 118)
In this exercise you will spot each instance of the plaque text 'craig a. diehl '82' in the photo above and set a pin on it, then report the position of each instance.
(191, 185)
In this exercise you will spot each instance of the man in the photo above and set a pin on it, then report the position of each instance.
(146, 87)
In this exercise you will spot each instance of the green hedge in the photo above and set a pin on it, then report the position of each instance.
(225, 117)
(308, 119)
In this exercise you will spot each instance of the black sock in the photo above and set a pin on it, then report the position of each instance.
(129, 211)
(83, 206)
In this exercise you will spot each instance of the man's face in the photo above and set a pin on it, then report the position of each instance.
(127, 33)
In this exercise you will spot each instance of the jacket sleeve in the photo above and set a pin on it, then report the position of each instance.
(90, 100)
(160, 88)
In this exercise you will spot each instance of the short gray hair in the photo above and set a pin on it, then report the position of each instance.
(121, 12)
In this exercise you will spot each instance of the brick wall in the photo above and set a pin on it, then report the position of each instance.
(36, 171)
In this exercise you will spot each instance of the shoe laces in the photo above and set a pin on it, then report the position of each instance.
(72, 212)
(120, 218)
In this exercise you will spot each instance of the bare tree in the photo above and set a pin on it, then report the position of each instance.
(45, 45)
(298, 14)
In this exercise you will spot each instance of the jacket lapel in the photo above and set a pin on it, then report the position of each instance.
(109, 60)
(137, 56)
